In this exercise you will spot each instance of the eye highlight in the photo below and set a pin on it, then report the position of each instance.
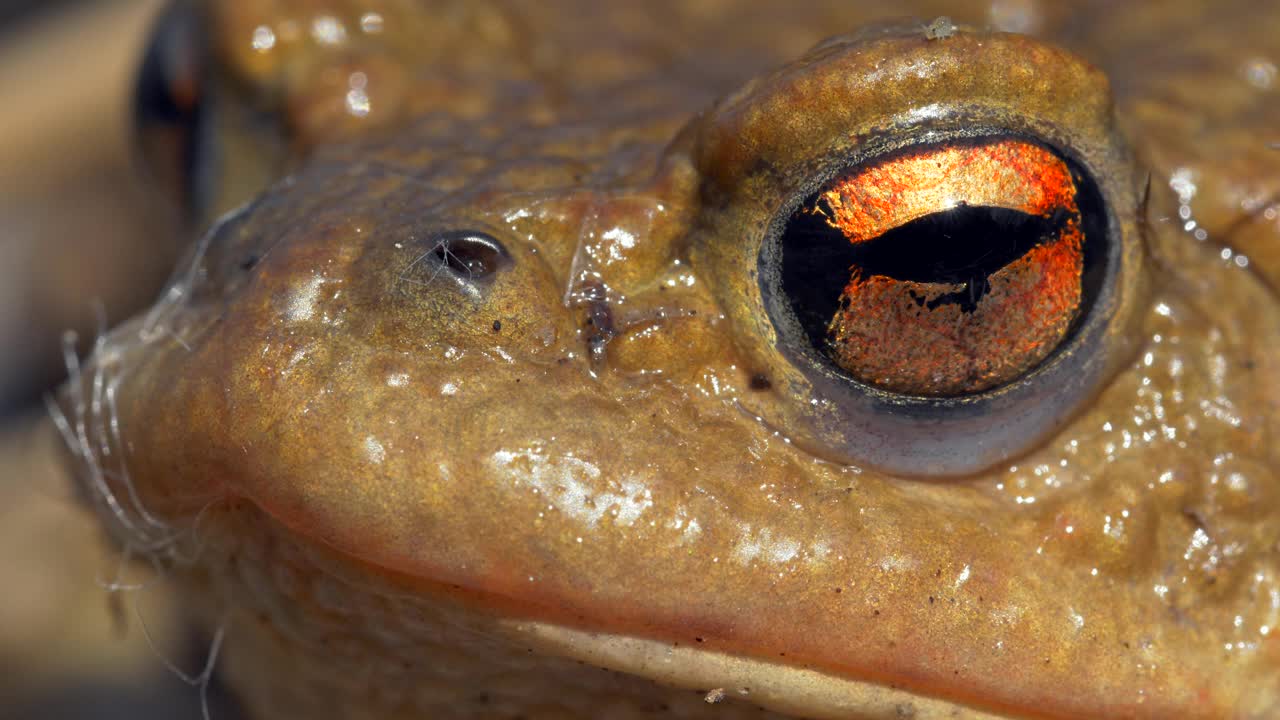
(945, 269)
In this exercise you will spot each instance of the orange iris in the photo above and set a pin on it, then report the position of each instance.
(975, 275)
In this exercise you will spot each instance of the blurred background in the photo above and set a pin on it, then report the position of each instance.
(83, 242)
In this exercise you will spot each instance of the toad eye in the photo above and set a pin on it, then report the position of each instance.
(932, 249)
(945, 269)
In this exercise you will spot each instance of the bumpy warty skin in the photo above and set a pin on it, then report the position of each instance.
(585, 481)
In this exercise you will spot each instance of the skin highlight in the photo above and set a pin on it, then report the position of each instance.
(424, 489)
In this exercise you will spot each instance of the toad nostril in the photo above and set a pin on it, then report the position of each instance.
(470, 253)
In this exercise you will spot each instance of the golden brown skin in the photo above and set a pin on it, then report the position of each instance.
(399, 479)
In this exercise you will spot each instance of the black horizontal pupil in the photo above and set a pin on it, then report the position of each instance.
(954, 246)
(964, 245)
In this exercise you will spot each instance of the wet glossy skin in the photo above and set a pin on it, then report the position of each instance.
(605, 435)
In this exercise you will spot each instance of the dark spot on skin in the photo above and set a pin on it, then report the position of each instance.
(601, 318)
(1196, 518)
(759, 381)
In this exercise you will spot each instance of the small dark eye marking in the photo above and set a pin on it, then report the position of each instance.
(470, 254)
(945, 269)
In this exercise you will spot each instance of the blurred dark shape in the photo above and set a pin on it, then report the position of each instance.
(163, 698)
(15, 11)
(83, 243)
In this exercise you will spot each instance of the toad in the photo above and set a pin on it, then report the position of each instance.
(667, 359)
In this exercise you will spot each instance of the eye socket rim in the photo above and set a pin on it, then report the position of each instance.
(792, 335)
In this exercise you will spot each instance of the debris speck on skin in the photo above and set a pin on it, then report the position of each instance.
(940, 29)
(715, 696)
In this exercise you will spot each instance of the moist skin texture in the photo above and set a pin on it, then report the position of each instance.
(590, 483)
